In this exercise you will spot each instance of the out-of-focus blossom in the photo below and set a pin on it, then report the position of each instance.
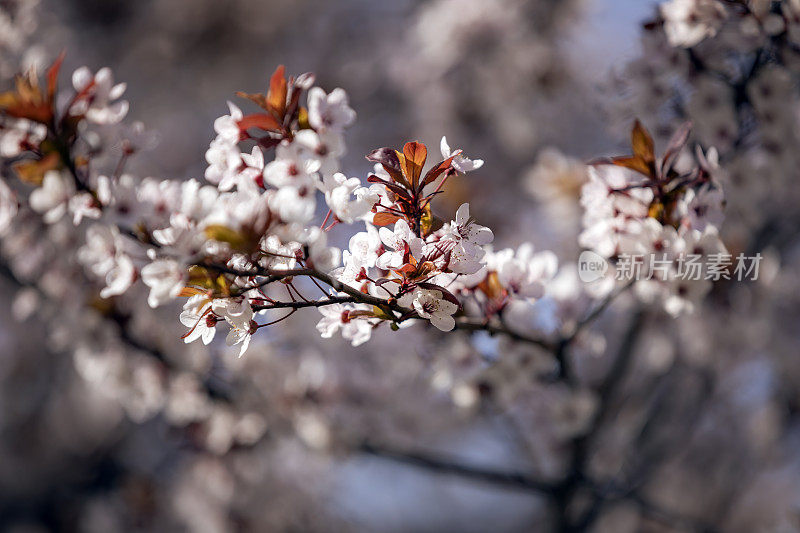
(687, 22)
(98, 96)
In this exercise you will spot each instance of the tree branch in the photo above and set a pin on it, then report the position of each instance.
(330, 300)
(606, 393)
(467, 324)
(390, 305)
(447, 466)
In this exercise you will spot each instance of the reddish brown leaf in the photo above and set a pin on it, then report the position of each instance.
(412, 160)
(386, 157)
(406, 271)
(191, 291)
(676, 144)
(259, 120)
(384, 219)
(492, 287)
(633, 163)
(27, 101)
(395, 188)
(41, 113)
(277, 91)
(33, 171)
(294, 100)
(426, 221)
(390, 161)
(52, 77)
(436, 171)
(259, 99)
(642, 143)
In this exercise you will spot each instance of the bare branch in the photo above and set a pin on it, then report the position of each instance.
(447, 466)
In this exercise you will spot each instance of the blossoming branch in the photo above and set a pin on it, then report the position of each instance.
(245, 250)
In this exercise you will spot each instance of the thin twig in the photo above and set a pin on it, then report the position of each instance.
(330, 300)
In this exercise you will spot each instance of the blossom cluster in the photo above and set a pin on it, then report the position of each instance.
(236, 248)
(641, 205)
(233, 247)
(729, 68)
(689, 22)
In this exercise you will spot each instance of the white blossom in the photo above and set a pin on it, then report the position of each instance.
(329, 111)
(364, 247)
(8, 207)
(431, 305)
(199, 318)
(240, 336)
(99, 103)
(348, 200)
(469, 239)
(294, 166)
(166, 278)
(53, 197)
(83, 205)
(224, 160)
(326, 147)
(337, 317)
(17, 135)
(293, 205)
(460, 162)
(523, 272)
(120, 277)
(687, 22)
(397, 241)
(702, 207)
(323, 257)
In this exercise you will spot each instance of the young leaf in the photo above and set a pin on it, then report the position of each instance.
(676, 144)
(302, 118)
(378, 313)
(492, 287)
(384, 219)
(633, 163)
(27, 101)
(191, 291)
(386, 157)
(52, 77)
(218, 232)
(426, 221)
(397, 189)
(412, 160)
(390, 161)
(436, 171)
(642, 143)
(657, 210)
(33, 171)
(277, 92)
(259, 120)
(259, 99)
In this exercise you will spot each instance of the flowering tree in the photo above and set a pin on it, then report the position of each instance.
(129, 266)
(233, 248)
